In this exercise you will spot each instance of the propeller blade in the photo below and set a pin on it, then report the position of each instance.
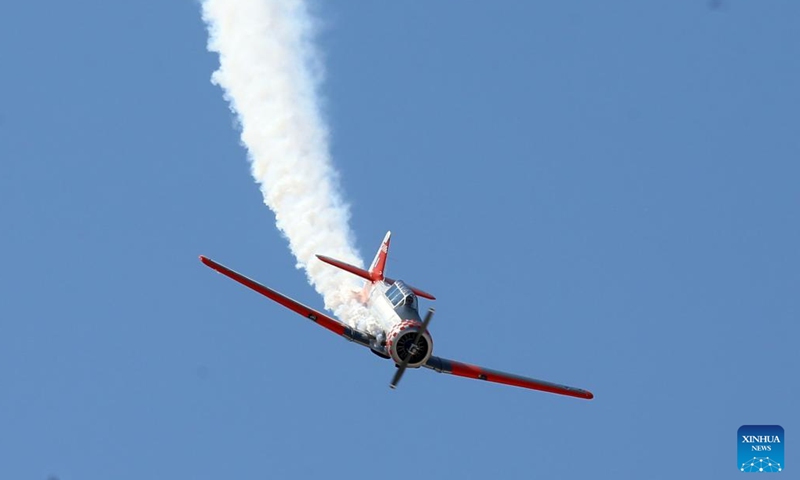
(402, 368)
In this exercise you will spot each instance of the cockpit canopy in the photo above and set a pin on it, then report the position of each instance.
(400, 294)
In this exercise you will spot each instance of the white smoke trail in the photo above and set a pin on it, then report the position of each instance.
(269, 71)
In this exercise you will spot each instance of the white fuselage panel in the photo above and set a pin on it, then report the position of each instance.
(380, 309)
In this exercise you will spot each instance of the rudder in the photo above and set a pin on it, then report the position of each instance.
(378, 267)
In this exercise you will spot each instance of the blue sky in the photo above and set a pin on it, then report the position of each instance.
(600, 194)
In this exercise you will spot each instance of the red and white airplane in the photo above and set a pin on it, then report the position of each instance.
(406, 339)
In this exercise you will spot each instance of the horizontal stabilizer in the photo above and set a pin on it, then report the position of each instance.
(366, 276)
(346, 266)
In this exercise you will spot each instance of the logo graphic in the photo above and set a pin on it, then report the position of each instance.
(760, 448)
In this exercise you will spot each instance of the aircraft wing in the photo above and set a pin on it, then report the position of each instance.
(319, 318)
(443, 365)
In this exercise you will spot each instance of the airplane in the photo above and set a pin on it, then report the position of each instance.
(405, 339)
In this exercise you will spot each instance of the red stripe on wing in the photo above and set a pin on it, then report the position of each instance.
(466, 370)
(318, 317)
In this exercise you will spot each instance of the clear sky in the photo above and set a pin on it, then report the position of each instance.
(603, 194)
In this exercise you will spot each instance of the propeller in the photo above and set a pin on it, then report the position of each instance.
(402, 368)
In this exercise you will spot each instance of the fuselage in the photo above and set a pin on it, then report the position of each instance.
(394, 307)
(390, 304)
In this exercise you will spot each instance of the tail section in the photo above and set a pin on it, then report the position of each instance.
(375, 273)
(379, 263)
(376, 270)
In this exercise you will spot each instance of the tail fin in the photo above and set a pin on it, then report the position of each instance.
(379, 263)
(376, 270)
(375, 273)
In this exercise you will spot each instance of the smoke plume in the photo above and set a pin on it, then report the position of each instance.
(270, 73)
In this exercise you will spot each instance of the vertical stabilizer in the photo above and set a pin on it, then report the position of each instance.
(377, 269)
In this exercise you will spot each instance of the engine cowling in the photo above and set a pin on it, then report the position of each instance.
(400, 341)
